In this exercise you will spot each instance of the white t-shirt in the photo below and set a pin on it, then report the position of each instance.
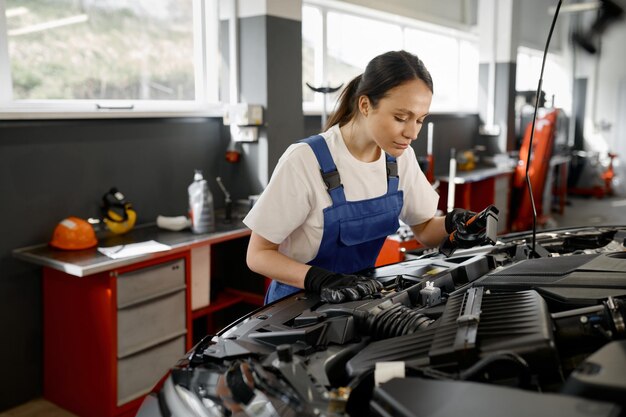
(289, 212)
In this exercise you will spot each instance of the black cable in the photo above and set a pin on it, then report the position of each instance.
(532, 130)
(432, 373)
(512, 357)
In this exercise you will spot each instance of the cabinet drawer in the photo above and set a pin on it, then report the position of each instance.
(137, 374)
(145, 325)
(147, 283)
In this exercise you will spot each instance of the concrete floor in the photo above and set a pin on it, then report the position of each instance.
(582, 211)
(37, 408)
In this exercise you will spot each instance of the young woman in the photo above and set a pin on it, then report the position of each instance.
(334, 198)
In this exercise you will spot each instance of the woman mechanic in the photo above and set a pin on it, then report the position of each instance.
(334, 197)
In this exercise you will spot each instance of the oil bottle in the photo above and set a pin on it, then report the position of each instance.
(201, 211)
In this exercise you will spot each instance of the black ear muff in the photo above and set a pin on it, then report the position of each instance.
(117, 213)
(114, 206)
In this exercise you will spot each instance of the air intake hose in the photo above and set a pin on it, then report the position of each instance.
(393, 320)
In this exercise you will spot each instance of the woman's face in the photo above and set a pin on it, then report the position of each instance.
(399, 116)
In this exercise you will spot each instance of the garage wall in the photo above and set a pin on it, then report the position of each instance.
(52, 169)
(56, 168)
(270, 75)
(605, 108)
(536, 21)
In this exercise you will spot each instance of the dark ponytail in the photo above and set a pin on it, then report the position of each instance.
(382, 73)
(346, 104)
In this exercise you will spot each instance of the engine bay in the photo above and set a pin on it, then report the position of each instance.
(488, 331)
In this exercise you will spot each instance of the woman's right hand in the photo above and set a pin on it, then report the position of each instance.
(338, 288)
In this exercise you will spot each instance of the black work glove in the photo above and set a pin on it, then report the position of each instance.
(339, 288)
(465, 236)
(457, 217)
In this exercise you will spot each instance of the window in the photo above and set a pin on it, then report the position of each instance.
(556, 81)
(440, 54)
(338, 43)
(111, 55)
(355, 40)
(312, 57)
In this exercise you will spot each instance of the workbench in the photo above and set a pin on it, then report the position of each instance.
(476, 189)
(113, 327)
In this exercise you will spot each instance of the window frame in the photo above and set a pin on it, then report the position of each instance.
(206, 103)
(460, 32)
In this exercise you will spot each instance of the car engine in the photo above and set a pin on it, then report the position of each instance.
(489, 331)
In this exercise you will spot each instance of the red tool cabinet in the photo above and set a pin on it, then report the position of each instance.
(86, 364)
(112, 329)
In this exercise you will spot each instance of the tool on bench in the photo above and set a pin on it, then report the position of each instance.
(228, 203)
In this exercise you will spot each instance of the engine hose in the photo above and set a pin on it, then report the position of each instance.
(395, 320)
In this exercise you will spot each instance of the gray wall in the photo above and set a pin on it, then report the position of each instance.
(270, 57)
(284, 84)
(53, 169)
(535, 25)
(271, 75)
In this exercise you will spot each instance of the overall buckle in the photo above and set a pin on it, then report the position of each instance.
(331, 179)
(392, 169)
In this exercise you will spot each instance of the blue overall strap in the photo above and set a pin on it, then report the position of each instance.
(392, 174)
(330, 175)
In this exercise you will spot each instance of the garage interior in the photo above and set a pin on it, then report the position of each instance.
(59, 162)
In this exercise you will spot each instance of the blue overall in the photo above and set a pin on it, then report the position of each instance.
(354, 231)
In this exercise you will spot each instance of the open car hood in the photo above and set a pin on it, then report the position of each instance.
(486, 332)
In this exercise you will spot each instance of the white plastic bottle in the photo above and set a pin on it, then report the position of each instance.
(201, 205)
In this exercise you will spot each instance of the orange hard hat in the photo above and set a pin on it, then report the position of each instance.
(73, 233)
